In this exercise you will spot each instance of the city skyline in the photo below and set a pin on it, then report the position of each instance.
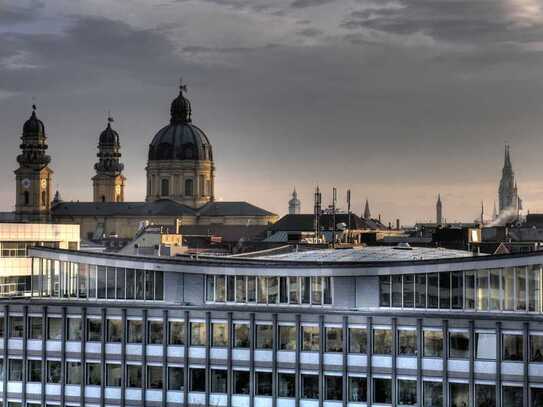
(325, 102)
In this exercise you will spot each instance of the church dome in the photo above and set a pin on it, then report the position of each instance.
(180, 140)
(109, 136)
(34, 126)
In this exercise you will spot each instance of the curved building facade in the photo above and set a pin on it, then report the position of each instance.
(376, 327)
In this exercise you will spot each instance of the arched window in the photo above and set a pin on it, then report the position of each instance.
(27, 198)
(43, 198)
(165, 187)
(189, 190)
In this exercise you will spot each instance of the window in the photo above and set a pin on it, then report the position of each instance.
(36, 327)
(407, 342)
(494, 290)
(140, 284)
(113, 375)
(231, 289)
(130, 284)
(94, 374)
(397, 290)
(176, 378)
(219, 333)
(165, 187)
(55, 329)
(444, 290)
(283, 292)
(384, 291)
(358, 389)
(210, 288)
(508, 287)
(310, 386)
(34, 371)
(16, 327)
(110, 282)
(74, 329)
(458, 345)
(358, 340)
(512, 396)
(156, 332)
(513, 347)
(120, 283)
(382, 341)
(534, 288)
(241, 289)
(154, 377)
(287, 385)
(485, 395)
(520, 276)
(334, 387)
(433, 290)
(177, 333)
(433, 344)
(94, 330)
(420, 290)
(536, 348)
(334, 339)
(287, 337)
(306, 290)
(198, 380)
(241, 336)
(409, 290)
(469, 282)
(73, 372)
(198, 335)
(273, 290)
(135, 331)
(294, 290)
(482, 290)
(114, 330)
(189, 187)
(311, 338)
(15, 370)
(101, 286)
(134, 376)
(264, 336)
(382, 391)
(432, 394)
(241, 382)
(407, 392)
(53, 371)
(457, 289)
(218, 380)
(536, 396)
(251, 289)
(220, 289)
(459, 394)
(263, 385)
(485, 345)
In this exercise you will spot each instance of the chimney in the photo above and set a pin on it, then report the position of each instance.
(397, 224)
(379, 218)
(389, 226)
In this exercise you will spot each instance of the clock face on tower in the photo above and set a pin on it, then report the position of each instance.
(25, 183)
(43, 183)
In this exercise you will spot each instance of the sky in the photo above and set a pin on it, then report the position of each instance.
(397, 100)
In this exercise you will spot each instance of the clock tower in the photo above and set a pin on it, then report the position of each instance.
(33, 177)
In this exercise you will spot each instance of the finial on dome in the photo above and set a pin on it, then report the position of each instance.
(182, 86)
(109, 118)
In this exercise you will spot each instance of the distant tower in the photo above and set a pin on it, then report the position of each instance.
(508, 194)
(108, 183)
(439, 210)
(33, 177)
(367, 213)
(294, 204)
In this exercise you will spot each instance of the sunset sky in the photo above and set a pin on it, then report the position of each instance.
(396, 100)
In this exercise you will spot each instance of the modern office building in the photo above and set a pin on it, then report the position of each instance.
(372, 327)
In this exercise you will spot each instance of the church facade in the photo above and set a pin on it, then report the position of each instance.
(180, 182)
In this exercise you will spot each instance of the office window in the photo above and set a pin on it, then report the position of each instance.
(273, 290)
(397, 290)
(508, 288)
(120, 283)
(264, 336)
(94, 330)
(197, 380)
(536, 348)
(110, 282)
(485, 345)
(382, 391)
(316, 290)
(220, 288)
(35, 325)
(420, 290)
(154, 377)
(198, 334)
(482, 290)
(101, 285)
(210, 288)
(53, 371)
(263, 385)
(73, 372)
(241, 289)
(358, 340)
(409, 290)
(283, 290)
(536, 396)
(407, 342)
(457, 289)
(310, 386)
(485, 395)
(219, 334)
(513, 347)
(156, 332)
(432, 394)
(287, 337)
(241, 336)
(113, 375)
(16, 327)
(114, 330)
(55, 329)
(140, 284)
(149, 285)
(130, 284)
(230, 288)
(458, 345)
(34, 371)
(334, 339)
(382, 341)
(135, 331)
(177, 333)
(358, 389)
(469, 282)
(94, 374)
(534, 288)
(294, 290)
(286, 385)
(512, 396)
(134, 376)
(74, 329)
(384, 291)
(459, 394)
(520, 277)
(433, 344)
(176, 378)
(15, 370)
(241, 382)
(494, 290)
(311, 338)
(407, 392)
(333, 387)
(251, 289)
(433, 290)
(262, 290)
(444, 290)
(219, 378)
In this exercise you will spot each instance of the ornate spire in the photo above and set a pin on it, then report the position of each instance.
(33, 143)
(180, 110)
(109, 151)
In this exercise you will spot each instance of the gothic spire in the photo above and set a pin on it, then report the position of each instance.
(367, 213)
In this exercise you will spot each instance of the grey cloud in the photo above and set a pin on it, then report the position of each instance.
(17, 14)
(310, 32)
(309, 3)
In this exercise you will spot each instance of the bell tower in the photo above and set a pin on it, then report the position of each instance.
(108, 183)
(33, 177)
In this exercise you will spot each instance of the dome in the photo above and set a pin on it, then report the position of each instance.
(33, 126)
(180, 140)
(109, 136)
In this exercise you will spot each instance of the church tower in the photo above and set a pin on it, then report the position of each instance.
(367, 213)
(439, 210)
(294, 204)
(33, 177)
(108, 183)
(508, 194)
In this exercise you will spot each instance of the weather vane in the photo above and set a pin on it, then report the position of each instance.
(33, 103)
(109, 117)
(182, 87)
